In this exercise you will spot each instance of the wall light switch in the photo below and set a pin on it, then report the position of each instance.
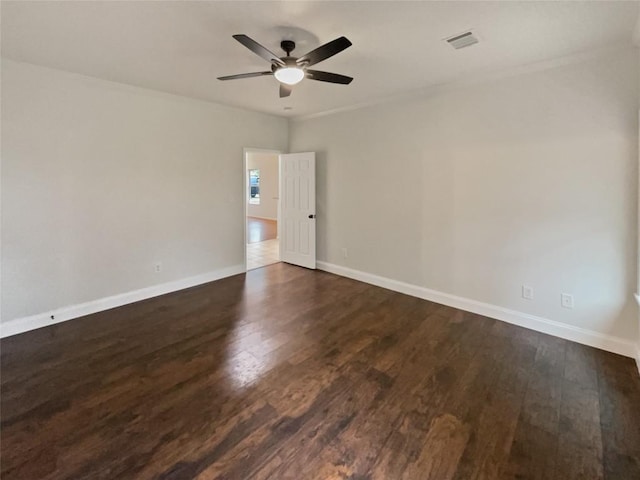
(566, 300)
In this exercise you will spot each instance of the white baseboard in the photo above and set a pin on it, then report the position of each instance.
(532, 322)
(32, 322)
(551, 327)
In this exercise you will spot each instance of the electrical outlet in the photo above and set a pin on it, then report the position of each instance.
(345, 253)
(157, 267)
(566, 300)
(527, 292)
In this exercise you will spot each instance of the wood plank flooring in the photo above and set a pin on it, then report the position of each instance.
(286, 373)
(261, 229)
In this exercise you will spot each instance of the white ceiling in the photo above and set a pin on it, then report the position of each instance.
(181, 47)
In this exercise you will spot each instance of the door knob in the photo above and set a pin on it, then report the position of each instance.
(312, 216)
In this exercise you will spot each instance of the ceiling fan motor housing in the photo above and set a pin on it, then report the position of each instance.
(289, 62)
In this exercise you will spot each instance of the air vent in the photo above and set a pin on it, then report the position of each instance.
(463, 40)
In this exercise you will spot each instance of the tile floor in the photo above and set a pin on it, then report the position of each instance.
(262, 253)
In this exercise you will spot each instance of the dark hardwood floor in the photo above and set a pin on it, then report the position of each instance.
(287, 373)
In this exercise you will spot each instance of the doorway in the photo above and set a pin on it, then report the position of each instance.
(262, 199)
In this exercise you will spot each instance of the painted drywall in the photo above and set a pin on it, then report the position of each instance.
(101, 180)
(637, 43)
(267, 163)
(474, 192)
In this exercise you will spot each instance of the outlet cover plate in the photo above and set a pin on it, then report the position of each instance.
(566, 300)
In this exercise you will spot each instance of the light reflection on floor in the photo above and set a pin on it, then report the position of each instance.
(256, 344)
(248, 353)
(244, 369)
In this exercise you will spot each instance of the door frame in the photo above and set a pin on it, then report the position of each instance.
(245, 189)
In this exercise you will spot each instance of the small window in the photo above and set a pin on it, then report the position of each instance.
(254, 187)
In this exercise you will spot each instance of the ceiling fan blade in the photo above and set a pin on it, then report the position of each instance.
(328, 77)
(245, 75)
(258, 49)
(285, 90)
(324, 51)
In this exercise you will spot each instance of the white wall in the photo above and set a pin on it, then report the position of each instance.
(530, 179)
(102, 180)
(637, 43)
(476, 191)
(267, 163)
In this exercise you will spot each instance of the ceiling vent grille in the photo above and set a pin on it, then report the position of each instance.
(463, 40)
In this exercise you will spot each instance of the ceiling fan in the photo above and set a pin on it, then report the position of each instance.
(290, 70)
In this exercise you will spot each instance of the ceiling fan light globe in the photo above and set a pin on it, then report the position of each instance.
(289, 75)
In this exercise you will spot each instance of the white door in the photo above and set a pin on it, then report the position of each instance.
(298, 209)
